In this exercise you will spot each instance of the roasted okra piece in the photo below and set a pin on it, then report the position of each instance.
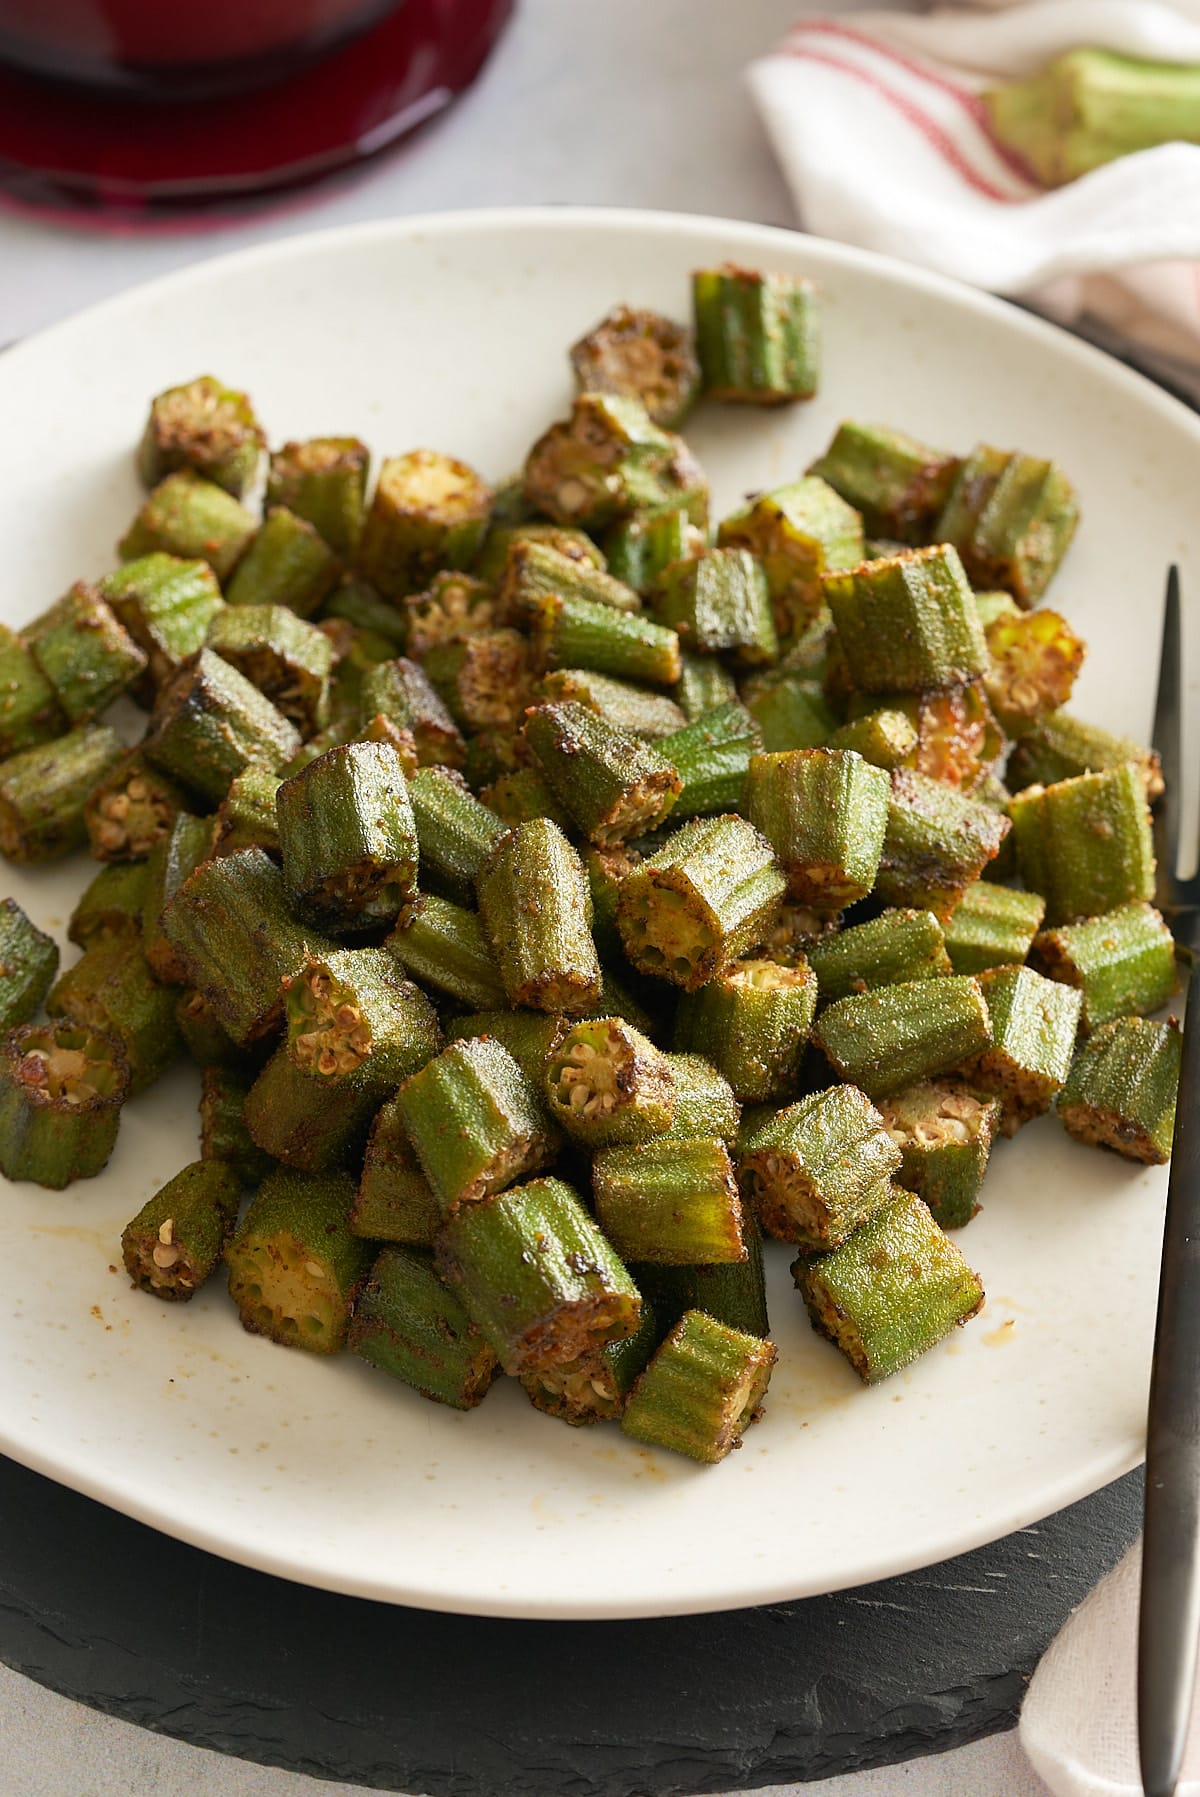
(475, 1123)
(295, 1269)
(1085, 844)
(355, 603)
(194, 519)
(131, 810)
(167, 605)
(207, 427)
(85, 653)
(1035, 657)
(223, 1133)
(907, 623)
(1034, 1024)
(640, 547)
(1011, 517)
(704, 684)
(537, 1275)
(944, 1135)
(897, 484)
(752, 1021)
(815, 1170)
(889, 950)
(641, 355)
(62, 1086)
(608, 1085)
(351, 1015)
(534, 568)
(712, 759)
(704, 1102)
(958, 740)
(177, 1238)
(732, 1291)
(43, 792)
(886, 738)
(612, 784)
(937, 843)
(209, 723)
(593, 1389)
(671, 1201)
(824, 812)
(706, 897)
(110, 989)
(484, 678)
(348, 838)
(246, 817)
(536, 909)
(29, 711)
(411, 1326)
(445, 946)
(1121, 1091)
(702, 1390)
(323, 481)
(719, 602)
(609, 459)
(401, 692)
(790, 711)
(288, 660)
(305, 1123)
(529, 1036)
(992, 926)
(1060, 747)
(454, 604)
(429, 512)
(756, 334)
(455, 832)
(798, 533)
(173, 860)
(579, 633)
(635, 709)
(394, 1201)
(1122, 962)
(28, 964)
(896, 1036)
(891, 1292)
(505, 534)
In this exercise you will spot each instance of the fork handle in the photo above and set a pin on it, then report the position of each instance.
(1169, 1620)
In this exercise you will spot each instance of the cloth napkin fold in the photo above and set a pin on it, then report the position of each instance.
(877, 122)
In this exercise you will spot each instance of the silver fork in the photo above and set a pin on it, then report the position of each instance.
(1169, 1620)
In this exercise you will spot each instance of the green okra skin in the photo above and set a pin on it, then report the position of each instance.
(28, 964)
(194, 519)
(1035, 657)
(1122, 962)
(893, 949)
(351, 1015)
(305, 1124)
(886, 738)
(174, 858)
(1085, 844)
(43, 792)
(593, 1389)
(429, 512)
(897, 484)
(733, 1292)
(756, 335)
(896, 1036)
(529, 1036)
(209, 723)
(484, 678)
(752, 1021)
(223, 1133)
(992, 926)
(707, 896)
(1059, 747)
(394, 1201)
(635, 709)
(166, 603)
(175, 1241)
(712, 758)
(204, 1038)
(246, 816)
(445, 946)
(608, 460)
(411, 1326)
(891, 1292)
(790, 711)
(537, 568)
(295, 1269)
(131, 810)
(704, 684)
(824, 812)
(612, 784)
(671, 1201)
(353, 602)
(110, 989)
(704, 1100)
(85, 653)
(455, 832)
(348, 838)
(536, 909)
(937, 843)
(287, 659)
(29, 710)
(1034, 1025)
(719, 602)
(61, 1091)
(907, 622)
(1011, 517)
(640, 547)
(1121, 1091)
(454, 604)
(797, 533)
(945, 1136)
(111, 904)
(402, 693)
(475, 1122)
(206, 427)
(607, 1085)
(537, 1275)
(235, 940)
(492, 560)
(323, 482)
(702, 1390)
(815, 1170)
(579, 633)
(640, 355)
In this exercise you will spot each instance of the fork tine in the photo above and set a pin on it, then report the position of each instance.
(1167, 740)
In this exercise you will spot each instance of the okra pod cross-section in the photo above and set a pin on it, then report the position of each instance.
(429, 512)
(176, 1239)
(642, 355)
(111, 989)
(352, 1015)
(607, 1084)
(295, 1268)
(944, 1135)
(62, 1086)
(610, 459)
(131, 809)
(207, 427)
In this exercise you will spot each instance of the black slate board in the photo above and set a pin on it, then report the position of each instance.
(125, 1619)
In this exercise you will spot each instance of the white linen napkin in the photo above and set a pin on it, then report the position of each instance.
(876, 120)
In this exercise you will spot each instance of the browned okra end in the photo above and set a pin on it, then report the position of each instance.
(336, 1038)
